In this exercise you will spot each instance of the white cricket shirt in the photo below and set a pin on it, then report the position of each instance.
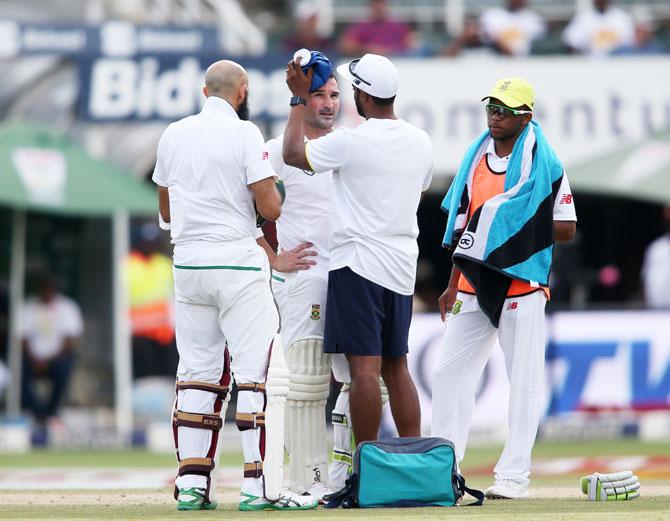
(305, 215)
(515, 29)
(593, 32)
(379, 170)
(46, 325)
(207, 162)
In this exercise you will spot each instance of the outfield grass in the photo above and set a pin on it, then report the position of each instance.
(475, 457)
(129, 506)
(553, 498)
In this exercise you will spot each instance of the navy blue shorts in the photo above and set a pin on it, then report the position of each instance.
(364, 318)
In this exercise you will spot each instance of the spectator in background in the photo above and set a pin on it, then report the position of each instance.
(469, 42)
(512, 30)
(599, 31)
(151, 296)
(306, 33)
(645, 40)
(656, 268)
(381, 34)
(50, 325)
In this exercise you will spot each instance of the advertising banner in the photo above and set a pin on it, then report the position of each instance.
(595, 362)
(586, 106)
(113, 38)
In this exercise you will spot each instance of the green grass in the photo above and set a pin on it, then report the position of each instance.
(643, 509)
(474, 458)
(154, 505)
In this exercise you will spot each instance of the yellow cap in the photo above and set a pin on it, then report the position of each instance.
(513, 92)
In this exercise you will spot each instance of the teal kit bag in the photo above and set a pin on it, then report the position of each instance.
(403, 472)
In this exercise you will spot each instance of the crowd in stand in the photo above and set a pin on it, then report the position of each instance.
(514, 29)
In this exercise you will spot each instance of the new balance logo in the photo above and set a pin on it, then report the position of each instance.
(512, 305)
(566, 199)
(265, 155)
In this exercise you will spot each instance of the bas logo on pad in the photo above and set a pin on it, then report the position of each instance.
(316, 312)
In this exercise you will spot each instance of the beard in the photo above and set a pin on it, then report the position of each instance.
(359, 105)
(243, 109)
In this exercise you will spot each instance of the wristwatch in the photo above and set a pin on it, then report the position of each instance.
(297, 100)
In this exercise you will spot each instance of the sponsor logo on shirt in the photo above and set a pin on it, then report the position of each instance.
(512, 306)
(566, 199)
(456, 308)
(316, 312)
(265, 155)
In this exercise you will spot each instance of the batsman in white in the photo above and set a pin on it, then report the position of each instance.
(299, 283)
(210, 169)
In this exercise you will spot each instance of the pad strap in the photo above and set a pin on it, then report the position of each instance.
(253, 470)
(251, 420)
(199, 466)
(220, 390)
(212, 422)
(255, 387)
(337, 418)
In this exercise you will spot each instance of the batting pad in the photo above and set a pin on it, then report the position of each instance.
(306, 436)
(277, 389)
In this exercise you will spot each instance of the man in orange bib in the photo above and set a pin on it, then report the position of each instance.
(508, 204)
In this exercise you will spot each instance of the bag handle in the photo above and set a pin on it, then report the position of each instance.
(463, 488)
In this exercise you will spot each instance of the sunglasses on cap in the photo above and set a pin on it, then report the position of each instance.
(352, 66)
(500, 110)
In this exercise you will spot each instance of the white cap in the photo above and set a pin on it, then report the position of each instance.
(373, 74)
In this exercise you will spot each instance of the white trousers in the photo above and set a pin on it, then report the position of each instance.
(301, 298)
(468, 341)
(222, 296)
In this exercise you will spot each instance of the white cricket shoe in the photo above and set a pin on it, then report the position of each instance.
(507, 489)
(287, 501)
(317, 490)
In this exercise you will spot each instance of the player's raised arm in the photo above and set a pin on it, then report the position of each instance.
(294, 134)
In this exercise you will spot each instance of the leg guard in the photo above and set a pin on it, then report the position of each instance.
(260, 417)
(344, 443)
(306, 437)
(197, 420)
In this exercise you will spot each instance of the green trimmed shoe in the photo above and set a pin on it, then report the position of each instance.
(249, 502)
(193, 499)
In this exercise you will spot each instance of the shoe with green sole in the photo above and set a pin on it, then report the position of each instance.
(194, 499)
(249, 502)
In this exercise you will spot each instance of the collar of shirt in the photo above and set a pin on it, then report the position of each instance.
(219, 104)
(496, 163)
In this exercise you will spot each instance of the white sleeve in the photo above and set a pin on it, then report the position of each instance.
(574, 35)
(160, 175)
(627, 30)
(429, 175)
(329, 152)
(275, 155)
(73, 324)
(564, 204)
(537, 26)
(487, 25)
(255, 159)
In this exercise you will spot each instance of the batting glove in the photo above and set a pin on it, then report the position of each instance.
(618, 486)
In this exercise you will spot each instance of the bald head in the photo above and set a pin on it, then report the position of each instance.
(225, 79)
